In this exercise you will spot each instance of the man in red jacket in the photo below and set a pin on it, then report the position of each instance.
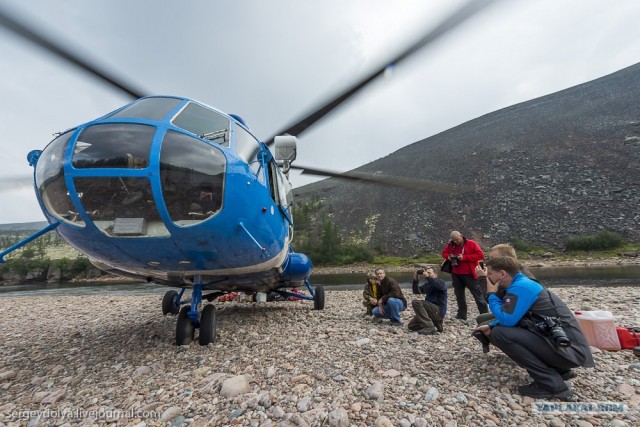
(464, 255)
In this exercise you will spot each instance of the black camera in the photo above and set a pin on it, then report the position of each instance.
(420, 272)
(550, 327)
(484, 340)
(454, 260)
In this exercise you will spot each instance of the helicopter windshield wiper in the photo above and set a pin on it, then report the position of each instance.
(212, 136)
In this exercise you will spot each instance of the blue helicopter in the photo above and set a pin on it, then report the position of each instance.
(171, 191)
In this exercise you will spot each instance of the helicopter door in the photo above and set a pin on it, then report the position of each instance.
(248, 148)
(280, 189)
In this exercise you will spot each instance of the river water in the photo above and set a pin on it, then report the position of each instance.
(559, 276)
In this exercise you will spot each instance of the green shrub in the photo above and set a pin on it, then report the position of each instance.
(603, 240)
(79, 266)
(353, 253)
(522, 246)
(23, 266)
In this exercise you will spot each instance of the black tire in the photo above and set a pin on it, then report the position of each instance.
(207, 325)
(169, 303)
(318, 298)
(184, 327)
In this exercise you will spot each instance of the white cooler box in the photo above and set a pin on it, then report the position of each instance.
(600, 329)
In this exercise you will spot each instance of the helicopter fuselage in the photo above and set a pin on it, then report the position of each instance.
(166, 189)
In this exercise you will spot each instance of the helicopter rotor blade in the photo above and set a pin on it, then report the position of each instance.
(458, 17)
(15, 182)
(389, 180)
(14, 25)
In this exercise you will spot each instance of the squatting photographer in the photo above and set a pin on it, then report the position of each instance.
(529, 328)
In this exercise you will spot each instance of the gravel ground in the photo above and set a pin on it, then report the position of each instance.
(111, 360)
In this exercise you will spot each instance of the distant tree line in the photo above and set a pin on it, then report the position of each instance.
(601, 241)
(316, 235)
(9, 238)
(32, 258)
(69, 268)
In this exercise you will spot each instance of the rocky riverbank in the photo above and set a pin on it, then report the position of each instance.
(538, 262)
(111, 360)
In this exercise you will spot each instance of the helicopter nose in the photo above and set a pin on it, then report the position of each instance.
(115, 191)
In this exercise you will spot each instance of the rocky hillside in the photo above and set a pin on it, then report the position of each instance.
(562, 165)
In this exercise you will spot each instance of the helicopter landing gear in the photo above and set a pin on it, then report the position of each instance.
(318, 298)
(184, 327)
(189, 319)
(207, 325)
(170, 303)
(316, 295)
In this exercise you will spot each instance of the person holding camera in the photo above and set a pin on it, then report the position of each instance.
(431, 311)
(502, 249)
(464, 255)
(370, 294)
(415, 286)
(535, 329)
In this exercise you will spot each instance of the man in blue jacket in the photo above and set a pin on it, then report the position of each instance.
(524, 330)
(431, 311)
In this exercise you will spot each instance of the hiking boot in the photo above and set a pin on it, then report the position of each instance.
(539, 392)
(375, 319)
(396, 323)
(428, 331)
(438, 325)
(567, 375)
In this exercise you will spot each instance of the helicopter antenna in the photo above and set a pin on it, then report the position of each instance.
(14, 25)
(458, 17)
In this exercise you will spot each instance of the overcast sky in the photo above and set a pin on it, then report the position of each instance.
(272, 60)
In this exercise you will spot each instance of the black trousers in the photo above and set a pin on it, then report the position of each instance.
(426, 314)
(462, 281)
(533, 353)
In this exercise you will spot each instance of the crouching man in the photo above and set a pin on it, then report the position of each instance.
(391, 301)
(535, 329)
(431, 311)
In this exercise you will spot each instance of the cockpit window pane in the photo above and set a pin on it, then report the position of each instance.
(204, 122)
(192, 177)
(113, 145)
(121, 206)
(149, 108)
(50, 181)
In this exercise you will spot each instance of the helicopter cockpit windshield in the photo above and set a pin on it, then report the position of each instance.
(113, 173)
(206, 123)
(192, 177)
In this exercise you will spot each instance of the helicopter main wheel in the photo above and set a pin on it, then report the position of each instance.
(184, 327)
(169, 303)
(318, 298)
(207, 325)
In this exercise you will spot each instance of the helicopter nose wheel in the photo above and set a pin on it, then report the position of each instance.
(189, 319)
(207, 325)
(170, 303)
(184, 327)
